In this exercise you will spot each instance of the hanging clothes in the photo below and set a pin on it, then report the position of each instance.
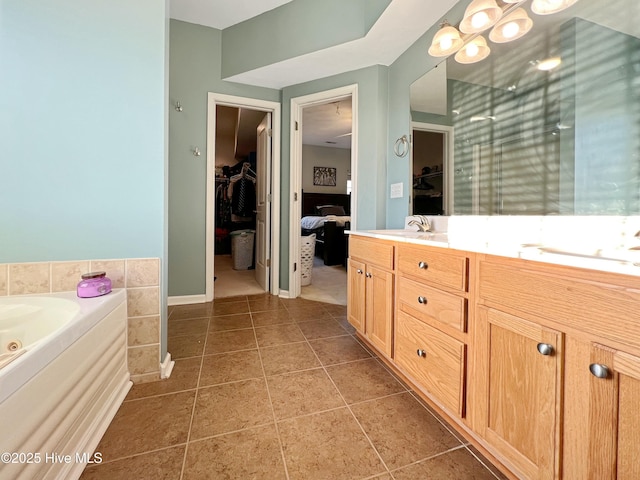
(243, 196)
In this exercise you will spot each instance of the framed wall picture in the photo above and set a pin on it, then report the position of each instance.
(324, 176)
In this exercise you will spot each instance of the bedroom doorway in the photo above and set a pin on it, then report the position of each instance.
(323, 154)
(243, 185)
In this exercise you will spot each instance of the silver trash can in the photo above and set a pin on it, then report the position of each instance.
(242, 249)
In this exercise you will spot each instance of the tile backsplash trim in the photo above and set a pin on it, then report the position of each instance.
(139, 276)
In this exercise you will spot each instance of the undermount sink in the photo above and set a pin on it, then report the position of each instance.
(430, 236)
(611, 255)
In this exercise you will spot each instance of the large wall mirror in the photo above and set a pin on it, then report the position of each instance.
(546, 124)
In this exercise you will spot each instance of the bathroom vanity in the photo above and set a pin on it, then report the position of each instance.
(535, 362)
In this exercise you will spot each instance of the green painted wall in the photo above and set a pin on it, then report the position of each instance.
(194, 70)
(410, 66)
(294, 29)
(82, 130)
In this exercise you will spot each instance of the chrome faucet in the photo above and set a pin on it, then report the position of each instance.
(422, 222)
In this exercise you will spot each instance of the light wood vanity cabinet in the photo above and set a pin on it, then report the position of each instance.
(431, 322)
(370, 291)
(602, 423)
(546, 333)
(538, 364)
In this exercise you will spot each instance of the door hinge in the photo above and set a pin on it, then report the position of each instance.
(268, 197)
(268, 262)
(295, 267)
(296, 125)
(295, 196)
(269, 132)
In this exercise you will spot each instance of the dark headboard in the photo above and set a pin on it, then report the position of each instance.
(311, 200)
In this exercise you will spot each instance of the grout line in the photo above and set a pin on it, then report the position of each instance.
(126, 457)
(324, 367)
(273, 412)
(195, 402)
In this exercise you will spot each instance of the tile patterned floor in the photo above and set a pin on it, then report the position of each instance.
(265, 388)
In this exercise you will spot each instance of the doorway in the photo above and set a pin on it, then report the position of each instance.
(323, 166)
(431, 189)
(242, 194)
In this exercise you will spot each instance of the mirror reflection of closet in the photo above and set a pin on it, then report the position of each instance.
(429, 165)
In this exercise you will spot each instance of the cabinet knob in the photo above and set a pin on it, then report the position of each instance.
(358, 271)
(422, 300)
(421, 353)
(368, 275)
(599, 370)
(545, 349)
(423, 265)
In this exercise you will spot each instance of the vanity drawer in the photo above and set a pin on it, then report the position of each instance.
(373, 252)
(432, 264)
(433, 359)
(432, 305)
(597, 304)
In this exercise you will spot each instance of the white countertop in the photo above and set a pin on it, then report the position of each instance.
(612, 257)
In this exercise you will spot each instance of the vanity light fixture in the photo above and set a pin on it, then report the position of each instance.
(511, 27)
(474, 51)
(547, 7)
(446, 41)
(511, 23)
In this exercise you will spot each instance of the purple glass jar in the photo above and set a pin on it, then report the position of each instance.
(94, 284)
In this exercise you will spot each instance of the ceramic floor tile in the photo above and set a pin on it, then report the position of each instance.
(363, 380)
(230, 341)
(148, 424)
(249, 454)
(402, 430)
(193, 326)
(306, 314)
(336, 310)
(300, 393)
(235, 298)
(230, 322)
(458, 464)
(271, 317)
(496, 472)
(288, 358)
(230, 308)
(160, 465)
(186, 345)
(278, 334)
(338, 350)
(344, 323)
(183, 377)
(328, 445)
(230, 367)
(229, 407)
(315, 329)
(199, 310)
(265, 303)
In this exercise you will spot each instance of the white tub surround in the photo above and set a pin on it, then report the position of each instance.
(139, 276)
(603, 243)
(58, 398)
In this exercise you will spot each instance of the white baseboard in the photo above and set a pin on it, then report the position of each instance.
(284, 294)
(186, 300)
(166, 367)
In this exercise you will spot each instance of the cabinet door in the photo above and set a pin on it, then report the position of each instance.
(601, 426)
(356, 294)
(627, 367)
(523, 386)
(379, 308)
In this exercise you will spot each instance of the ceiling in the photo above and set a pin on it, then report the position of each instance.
(400, 25)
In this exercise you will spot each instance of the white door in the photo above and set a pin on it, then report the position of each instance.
(263, 202)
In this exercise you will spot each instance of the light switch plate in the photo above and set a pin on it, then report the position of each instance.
(396, 190)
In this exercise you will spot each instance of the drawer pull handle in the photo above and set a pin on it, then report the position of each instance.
(421, 353)
(599, 370)
(358, 271)
(423, 265)
(422, 300)
(545, 349)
